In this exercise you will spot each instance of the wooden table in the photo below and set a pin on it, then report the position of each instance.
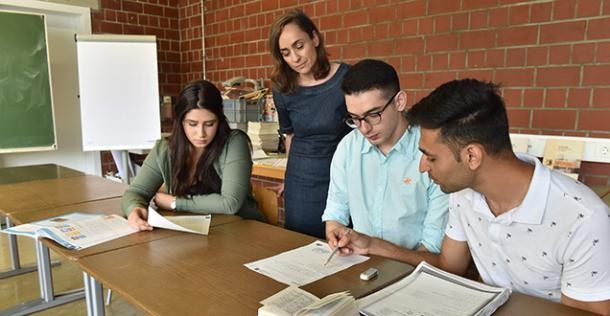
(23, 201)
(36, 172)
(205, 275)
(107, 206)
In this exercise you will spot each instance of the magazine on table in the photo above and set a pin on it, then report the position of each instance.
(431, 291)
(76, 230)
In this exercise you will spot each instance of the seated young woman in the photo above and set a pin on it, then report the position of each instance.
(205, 166)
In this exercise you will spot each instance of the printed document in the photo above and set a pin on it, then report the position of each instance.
(76, 230)
(198, 224)
(429, 291)
(295, 301)
(303, 265)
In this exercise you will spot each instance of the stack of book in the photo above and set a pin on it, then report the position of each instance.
(264, 135)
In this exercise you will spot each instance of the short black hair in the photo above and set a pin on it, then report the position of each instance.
(369, 74)
(466, 111)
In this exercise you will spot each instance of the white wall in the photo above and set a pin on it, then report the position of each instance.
(63, 22)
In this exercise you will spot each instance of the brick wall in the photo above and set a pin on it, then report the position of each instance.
(551, 57)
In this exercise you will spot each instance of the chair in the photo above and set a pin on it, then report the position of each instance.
(267, 203)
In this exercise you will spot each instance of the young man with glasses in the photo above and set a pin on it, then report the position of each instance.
(374, 179)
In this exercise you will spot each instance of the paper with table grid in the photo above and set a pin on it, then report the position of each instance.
(303, 265)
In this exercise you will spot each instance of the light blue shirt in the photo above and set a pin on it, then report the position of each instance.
(386, 196)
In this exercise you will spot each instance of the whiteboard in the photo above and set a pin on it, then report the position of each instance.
(119, 91)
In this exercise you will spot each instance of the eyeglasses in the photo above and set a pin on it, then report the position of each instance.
(372, 118)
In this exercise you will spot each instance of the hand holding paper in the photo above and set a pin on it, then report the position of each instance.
(198, 224)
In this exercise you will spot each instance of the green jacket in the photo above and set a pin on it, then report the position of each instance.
(234, 166)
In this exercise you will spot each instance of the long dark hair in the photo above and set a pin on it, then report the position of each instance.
(198, 94)
(283, 77)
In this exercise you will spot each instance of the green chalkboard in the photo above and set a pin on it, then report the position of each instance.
(26, 107)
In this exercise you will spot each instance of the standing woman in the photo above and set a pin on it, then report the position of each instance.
(311, 108)
(205, 165)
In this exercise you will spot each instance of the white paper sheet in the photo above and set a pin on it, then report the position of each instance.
(303, 265)
(198, 224)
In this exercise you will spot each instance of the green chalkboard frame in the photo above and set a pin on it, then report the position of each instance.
(26, 104)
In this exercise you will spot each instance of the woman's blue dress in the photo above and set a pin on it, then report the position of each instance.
(314, 115)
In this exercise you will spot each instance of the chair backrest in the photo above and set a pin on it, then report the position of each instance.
(267, 203)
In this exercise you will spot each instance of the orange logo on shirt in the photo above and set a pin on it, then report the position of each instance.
(407, 180)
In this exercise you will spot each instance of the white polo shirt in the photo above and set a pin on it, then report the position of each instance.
(557, 241)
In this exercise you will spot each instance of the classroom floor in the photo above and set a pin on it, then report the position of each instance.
(66, 276)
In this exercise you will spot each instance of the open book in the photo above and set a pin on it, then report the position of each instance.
(198, 224)
(431, 291)
(76, 230)
(295, 301)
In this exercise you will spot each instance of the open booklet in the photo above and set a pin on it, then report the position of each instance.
(295, 301)
(198, 224)
(76, 230)
(430, 291)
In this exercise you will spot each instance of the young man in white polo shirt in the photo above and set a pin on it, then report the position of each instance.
(526, 227)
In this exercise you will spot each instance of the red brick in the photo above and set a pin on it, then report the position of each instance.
(351, 19)
(554, 119)
(477, 39)
(110, 4)
(515, 77)
(478, 20)
(596, 75)
(409, 46)
(559, 54)
(476, 59)
(410, 9)
(599, 29)
(558, 76)
(425, 26)
(409, 28)
(578, 97)
(495, 58)
(515, 57)
(541, 12)
(153, 9)
(498, 17)
(537, 56)
(518, 118)
(583, 53)
(442, 24)
(269, 5)
(459, 21)
(594, 120)
(533, 97)
(564, 9)
(603, 52)
(512, 97)
(562, 32)
(442, 6)
(483, 75)
(407, 63)
(522, 35)
(601, 97)
(423, 62)
(132, 6)
(113, 28)
(440, 61)
(383, 14)
(555, 98)
(457, 60)
(435, 79)
(441, 43)
(477, 4)
(519, 14)
(384, 48)
(411, 81)
(588, 8)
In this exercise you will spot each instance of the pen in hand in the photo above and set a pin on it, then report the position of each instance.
(332, 254)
